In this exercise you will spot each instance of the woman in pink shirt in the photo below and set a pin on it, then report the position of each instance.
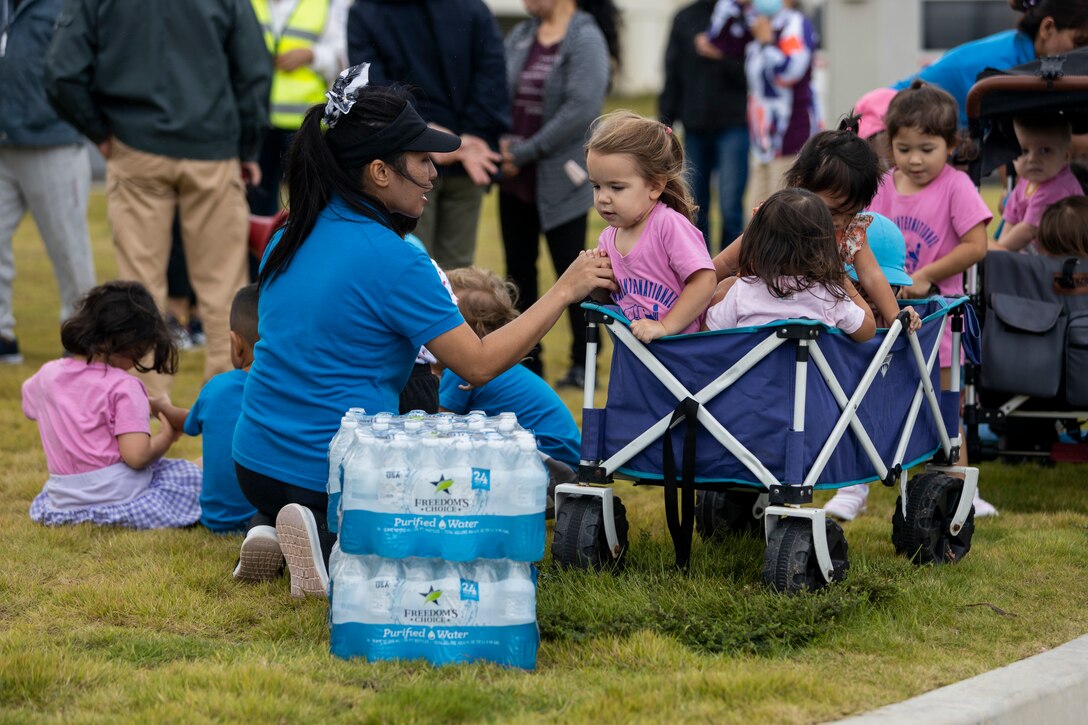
(789, 268)
(105, 466)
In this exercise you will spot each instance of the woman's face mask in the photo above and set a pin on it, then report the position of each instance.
(766, 7)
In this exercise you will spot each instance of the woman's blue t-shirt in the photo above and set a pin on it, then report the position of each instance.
(519, 391)
(957, 70)
(340, 327)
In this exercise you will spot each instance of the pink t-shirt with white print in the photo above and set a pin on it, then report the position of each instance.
(652, 275)
(933, 221)
(749, 302)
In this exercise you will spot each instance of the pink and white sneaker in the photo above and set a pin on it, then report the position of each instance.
(848, 503)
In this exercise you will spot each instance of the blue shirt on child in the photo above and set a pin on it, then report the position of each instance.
(223, 507)
(524, 393)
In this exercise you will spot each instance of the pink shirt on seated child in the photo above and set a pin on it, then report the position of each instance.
(81, 408)
(749, 302)
(652, 275)
(1028, 200)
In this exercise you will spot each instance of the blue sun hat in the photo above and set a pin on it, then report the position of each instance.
(889, 248)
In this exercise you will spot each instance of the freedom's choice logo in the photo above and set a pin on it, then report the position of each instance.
(424, 613)
(437, 496)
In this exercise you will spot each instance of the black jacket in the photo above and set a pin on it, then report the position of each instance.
(188, 80)
(449, 51)
(703, 94)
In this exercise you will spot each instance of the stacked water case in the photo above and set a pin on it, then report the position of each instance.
(439, 518)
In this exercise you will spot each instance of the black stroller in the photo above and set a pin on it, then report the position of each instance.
(1033, 381)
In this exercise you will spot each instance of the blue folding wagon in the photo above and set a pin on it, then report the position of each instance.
(741, 426)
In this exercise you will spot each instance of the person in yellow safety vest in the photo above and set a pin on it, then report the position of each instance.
(308, 40)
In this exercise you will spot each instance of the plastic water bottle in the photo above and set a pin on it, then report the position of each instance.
(338, 446)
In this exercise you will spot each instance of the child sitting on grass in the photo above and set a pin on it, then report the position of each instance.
(487, 303)
(223, 507)
(1046, 144)
(789, 267)
(105, 466)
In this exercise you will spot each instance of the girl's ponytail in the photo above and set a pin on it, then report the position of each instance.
(677, 194)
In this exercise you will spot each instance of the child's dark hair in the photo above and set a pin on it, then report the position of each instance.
(485, 299)
(839, 163)
(926, 107)
(790, 245)
(1066, 14)
(314, 174)
(657, 152)
(121, 318)
(1055, 124)
(243, 313)
(1063, 230)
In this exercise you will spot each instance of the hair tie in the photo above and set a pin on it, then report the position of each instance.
(344, 92)
(668, 130)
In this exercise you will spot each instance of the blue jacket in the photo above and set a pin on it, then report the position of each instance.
(449, 51)
(26, 118)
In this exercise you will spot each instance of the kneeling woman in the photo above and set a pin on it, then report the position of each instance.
(345, 304)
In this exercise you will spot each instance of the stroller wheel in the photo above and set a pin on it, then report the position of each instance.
(922, 535)
(789, 563)
(579, 539)
(721, 512)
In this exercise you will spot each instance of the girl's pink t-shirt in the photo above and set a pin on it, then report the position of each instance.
(749, 303)
(1028, 201)
(651, 277)
(933, 220)
(81, 408)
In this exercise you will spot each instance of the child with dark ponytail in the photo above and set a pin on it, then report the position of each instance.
(658, 255)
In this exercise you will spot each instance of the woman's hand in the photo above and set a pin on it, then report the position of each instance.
(589, 272)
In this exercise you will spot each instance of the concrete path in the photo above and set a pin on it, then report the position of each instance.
(1048, 689)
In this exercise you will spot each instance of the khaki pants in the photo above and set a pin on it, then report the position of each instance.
(448, 224)
(765, 179)
(143, 191)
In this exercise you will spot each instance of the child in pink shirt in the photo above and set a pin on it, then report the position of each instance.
(938, 209)
(1046, 144)
(659, 258)
(789, 268)
(105, 467)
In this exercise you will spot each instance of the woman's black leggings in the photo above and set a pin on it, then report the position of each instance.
(269, 495)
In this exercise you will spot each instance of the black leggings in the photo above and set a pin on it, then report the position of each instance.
(269, 495)
(520, 224)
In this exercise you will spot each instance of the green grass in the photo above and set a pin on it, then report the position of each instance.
(99, 624)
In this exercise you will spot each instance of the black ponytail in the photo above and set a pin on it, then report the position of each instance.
(314, 176)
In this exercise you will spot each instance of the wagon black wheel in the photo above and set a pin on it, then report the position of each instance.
(579, 538)
(789, 564)
(720, 512)
(922, 535)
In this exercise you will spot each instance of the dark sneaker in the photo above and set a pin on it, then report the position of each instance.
(575, 378)
(196, 333)
(9, 351)
(179, 332)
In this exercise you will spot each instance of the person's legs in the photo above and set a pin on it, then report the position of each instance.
(309, 542)
(565, 242)
(56, 183)
(520, 226)
(214, 227)
(12, 209)
(458, 217)
(732, 167)
(264, 199)
(700, 155)
(141, 202)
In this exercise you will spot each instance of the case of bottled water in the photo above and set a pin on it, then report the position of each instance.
(454, 487)
(440, 611)
(337, 448)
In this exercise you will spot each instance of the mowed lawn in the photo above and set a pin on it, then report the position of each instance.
(101, 624)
